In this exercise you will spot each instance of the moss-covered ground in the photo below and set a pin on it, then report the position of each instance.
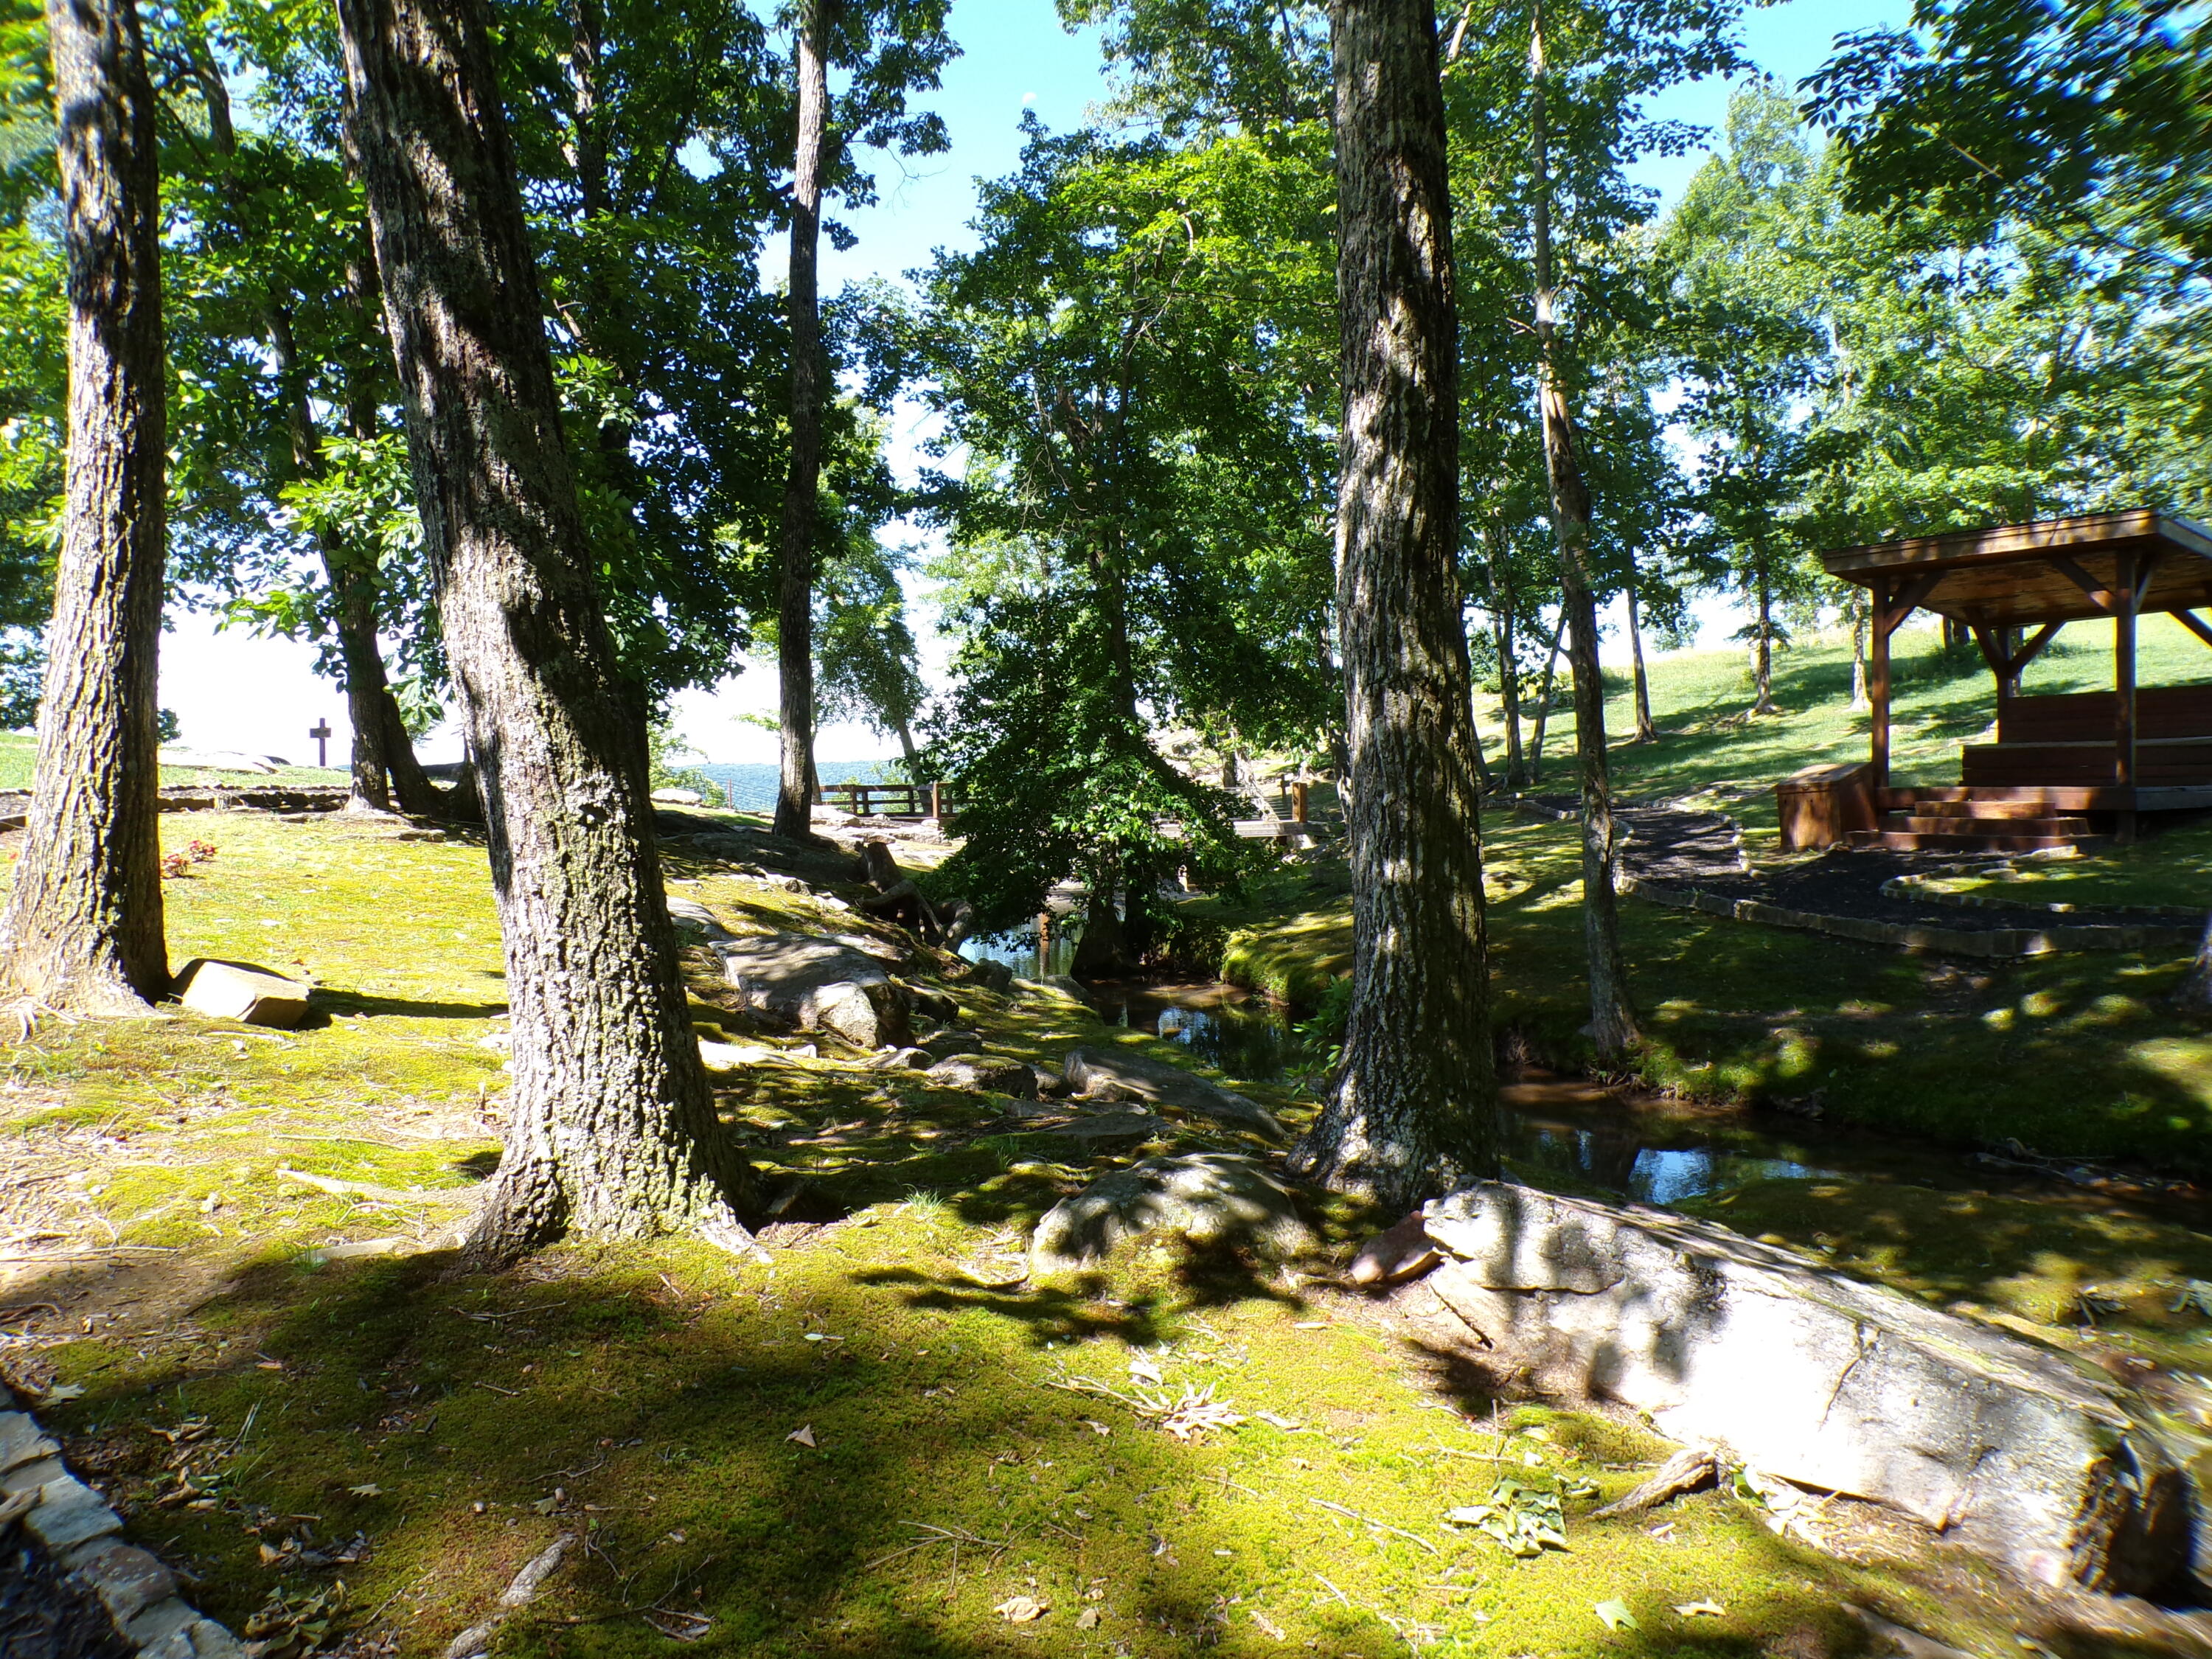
(882, 1442)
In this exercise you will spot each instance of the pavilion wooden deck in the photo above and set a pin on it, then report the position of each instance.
(2062, 767)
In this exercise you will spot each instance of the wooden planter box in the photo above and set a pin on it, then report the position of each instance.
(1821, 806)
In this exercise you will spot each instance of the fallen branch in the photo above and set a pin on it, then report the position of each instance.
(1687, 1470)
(471, 1642)
(955, 1536)
(338, 1188)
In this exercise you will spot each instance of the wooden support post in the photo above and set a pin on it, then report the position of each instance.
(1993, 643)
(1298, 791)
(1878, 692)
(936, 801)
(2124, 676)
(1044, 943)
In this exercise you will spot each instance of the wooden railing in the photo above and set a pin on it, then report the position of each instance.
(896, 800)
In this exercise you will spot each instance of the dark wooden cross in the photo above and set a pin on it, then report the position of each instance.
(321, 731)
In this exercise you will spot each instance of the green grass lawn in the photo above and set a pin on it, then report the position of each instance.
(19, 752)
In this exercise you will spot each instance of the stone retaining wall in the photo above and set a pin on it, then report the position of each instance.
(53, 1528)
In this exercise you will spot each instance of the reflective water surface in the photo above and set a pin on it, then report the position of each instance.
(1639, 1146)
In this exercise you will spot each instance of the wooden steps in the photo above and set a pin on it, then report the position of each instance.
(1970, 819)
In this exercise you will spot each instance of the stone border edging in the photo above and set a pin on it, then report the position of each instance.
(1915, 887)
(1999, 944)
(83, 1535)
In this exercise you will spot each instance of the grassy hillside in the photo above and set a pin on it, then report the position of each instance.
(1938, 701)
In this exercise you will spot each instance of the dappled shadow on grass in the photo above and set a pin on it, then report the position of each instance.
(459, 1422)
(1051, 1314)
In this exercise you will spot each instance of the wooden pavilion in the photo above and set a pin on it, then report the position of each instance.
(2063, 767)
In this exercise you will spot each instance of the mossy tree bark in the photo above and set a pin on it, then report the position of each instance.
(1613, 1012)
(613, 1131)
(1415, 1109)
(794, 639)
(83, 928)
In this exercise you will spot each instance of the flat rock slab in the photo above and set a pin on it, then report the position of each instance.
(694, 921)
(819, 985)
(993, 1074)
(242, 992)
(1800, 1372)
(1209, 1199)
(1164, 1084)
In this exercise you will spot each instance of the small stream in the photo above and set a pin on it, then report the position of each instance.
(1642, 1147)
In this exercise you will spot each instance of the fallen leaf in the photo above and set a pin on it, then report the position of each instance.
(1144, 1372)
(1093, 1425)
(61, 1391)
(369, 1489)
(1087, 1619)
(1700, 1610)
(1274, 1420)
(1614, 1615)
(804, 1434)
(1022, 1609)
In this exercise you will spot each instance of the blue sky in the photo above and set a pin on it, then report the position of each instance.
(232, 692)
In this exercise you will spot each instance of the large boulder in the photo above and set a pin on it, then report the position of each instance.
(1800, 1372)
(818, 985)
(1095, 1071)
(1208, 1200)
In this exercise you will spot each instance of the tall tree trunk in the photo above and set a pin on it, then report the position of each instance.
(410, 785)
(1415, 1107)
(1860, 608)
(1544, 701)
(613, 1130)
(1612, 1014)
(82, 930)
(369, 789)
(1762, 643)
(1502, 620)
(1473, 725)
(907, 750)
(794, 643)
(1645, 731)
(352, 591)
